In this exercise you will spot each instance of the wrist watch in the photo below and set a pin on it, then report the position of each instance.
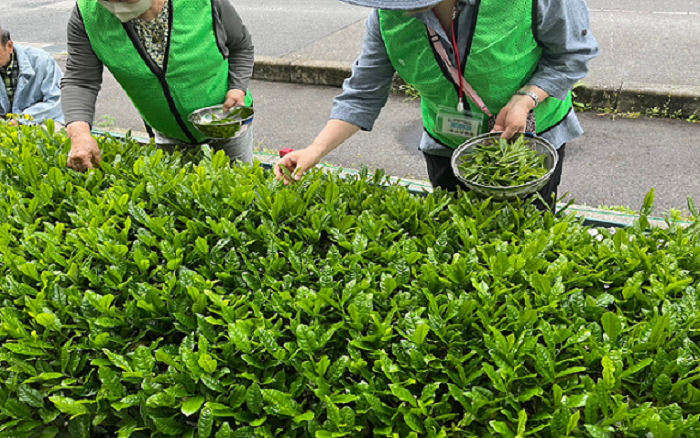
(531, 94)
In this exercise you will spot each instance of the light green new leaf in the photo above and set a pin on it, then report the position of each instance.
(573, 422)
(597, 431)
(306, 416)
(118, 360)
(207, 362)
(502, 428)
(608, 372)
(420, 334)
(68, 406)
(239, 338)
(403, 394)
(522, 422)
(612, 325)
(161, 400)
(49, 320)
(414, 422)
(191, 405)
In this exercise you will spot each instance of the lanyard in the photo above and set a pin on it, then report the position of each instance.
(455, 73)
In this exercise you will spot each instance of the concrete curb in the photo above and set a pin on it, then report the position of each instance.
(660, 100)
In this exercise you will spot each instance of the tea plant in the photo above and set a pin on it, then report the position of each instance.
(155, 297)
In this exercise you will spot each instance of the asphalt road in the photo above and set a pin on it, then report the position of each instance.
(644, 42)
(278, 26)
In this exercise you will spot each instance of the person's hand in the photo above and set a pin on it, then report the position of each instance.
(513, 117)
(84, 153)
(297, 163)
(234, 98)
(13, 123)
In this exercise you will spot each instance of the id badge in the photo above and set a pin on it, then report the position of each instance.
(457, 123)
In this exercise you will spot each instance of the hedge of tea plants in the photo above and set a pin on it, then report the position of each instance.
(161, 297)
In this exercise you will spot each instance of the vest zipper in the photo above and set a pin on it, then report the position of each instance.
(161, 73)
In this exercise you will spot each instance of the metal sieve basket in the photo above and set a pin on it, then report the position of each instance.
(218, 124)
(538, 144)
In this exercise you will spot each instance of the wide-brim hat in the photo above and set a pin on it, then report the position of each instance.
(401, 5)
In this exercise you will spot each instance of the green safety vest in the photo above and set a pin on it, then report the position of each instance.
(195, 73)
(504, 55)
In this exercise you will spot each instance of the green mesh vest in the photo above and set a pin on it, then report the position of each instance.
(504, 55)
(194, 74)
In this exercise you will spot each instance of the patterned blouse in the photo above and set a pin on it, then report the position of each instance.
(154, 34)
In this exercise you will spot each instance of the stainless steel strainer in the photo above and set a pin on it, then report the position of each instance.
(538, 144)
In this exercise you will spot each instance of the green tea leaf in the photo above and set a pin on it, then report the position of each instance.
(118, 360)
(414, 422)
(502, 429)
(168, 427)
(143, 360)
(280, 403)
(662, 387)
(612, 325)
(111, 380)
(68, 406)
(128, 428)
(573, 422)
(544, 363)
(306, 339)
(205, 423)
(30, 396)
(403, 394)
(254, 399)
(207, 362)
(636, 368)
(306, 416)
(420, 334)
(608, 372)
(224, 431)
(192, 405)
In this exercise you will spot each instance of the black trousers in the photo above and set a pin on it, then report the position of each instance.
(441, 175)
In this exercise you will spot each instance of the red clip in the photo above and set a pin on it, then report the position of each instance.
(285, 151)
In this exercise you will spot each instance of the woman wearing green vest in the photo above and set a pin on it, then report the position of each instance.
(171, 57)
(491, 65)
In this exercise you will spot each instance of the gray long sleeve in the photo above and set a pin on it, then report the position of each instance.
(83, 78)
(241, 52)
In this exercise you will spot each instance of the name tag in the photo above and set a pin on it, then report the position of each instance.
(458, 124)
